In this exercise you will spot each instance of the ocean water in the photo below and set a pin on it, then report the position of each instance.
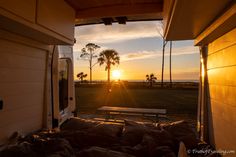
(184, 80)
(164, 80)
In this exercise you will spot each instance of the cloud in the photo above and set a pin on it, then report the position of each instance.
(138, 55)
(150, 54)
(101, 34)
(115, 33)
(192, 75)
(184, 50)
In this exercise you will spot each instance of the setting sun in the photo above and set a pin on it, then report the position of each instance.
(116, 74)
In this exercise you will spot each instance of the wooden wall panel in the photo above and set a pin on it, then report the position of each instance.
(221, 74)
(224, 111)
(26, 87)
(223, 94)
(22, 127)
(9, 100)
(22, 82)
(216, 60)
(225, 138)
(22, 61)
(20, 115)
(16, 48)
(21, 75)
(223, 42)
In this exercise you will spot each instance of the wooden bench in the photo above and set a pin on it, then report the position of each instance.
(110, 111)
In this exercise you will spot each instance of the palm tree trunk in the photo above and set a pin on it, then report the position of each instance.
(108, 74)
(90, 68)
(170, 65)
(163, 61)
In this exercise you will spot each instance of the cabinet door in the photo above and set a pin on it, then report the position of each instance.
(22, 85)
(57, 16)
(24, 8)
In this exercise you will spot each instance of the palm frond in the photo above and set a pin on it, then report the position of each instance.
(108, 57)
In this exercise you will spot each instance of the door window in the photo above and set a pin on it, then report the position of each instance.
(63, 83)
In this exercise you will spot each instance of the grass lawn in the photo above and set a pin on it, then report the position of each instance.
(176, 101)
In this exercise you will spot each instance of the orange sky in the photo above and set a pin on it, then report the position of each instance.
(140, 48)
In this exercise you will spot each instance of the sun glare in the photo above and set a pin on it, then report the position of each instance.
(116, 74)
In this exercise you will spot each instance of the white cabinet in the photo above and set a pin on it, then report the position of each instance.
(57, 16)
(47, 21)
(24, 9)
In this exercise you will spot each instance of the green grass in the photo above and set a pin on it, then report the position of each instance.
(176, 101)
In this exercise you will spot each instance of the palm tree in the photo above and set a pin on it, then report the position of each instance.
(108, 57)
(88, 52)
(170, 65)
(151, 79)
(163, 52)
(81, 76)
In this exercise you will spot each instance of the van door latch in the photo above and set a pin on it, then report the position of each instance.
(1, 104)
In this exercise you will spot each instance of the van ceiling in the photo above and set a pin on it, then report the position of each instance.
(108, 11)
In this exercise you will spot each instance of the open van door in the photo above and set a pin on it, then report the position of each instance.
(62, 85)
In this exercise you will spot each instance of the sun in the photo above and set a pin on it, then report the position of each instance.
(116, 74)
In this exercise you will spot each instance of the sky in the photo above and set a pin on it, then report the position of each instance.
(139, 45)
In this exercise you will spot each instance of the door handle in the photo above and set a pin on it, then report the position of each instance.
(1, 104)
